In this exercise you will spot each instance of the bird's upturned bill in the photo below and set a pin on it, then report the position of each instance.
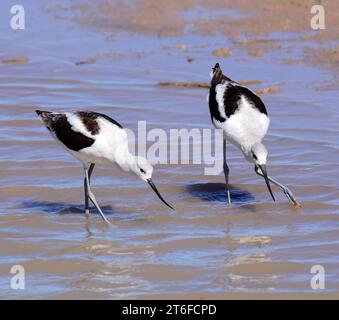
(152, 185)
(264, 172)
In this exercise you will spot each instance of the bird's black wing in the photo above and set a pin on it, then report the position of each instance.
(58, 124)
(214, 105)
(232, 99)
(89, 119)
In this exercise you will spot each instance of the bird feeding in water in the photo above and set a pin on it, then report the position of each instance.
(94, 138)
(244, 120)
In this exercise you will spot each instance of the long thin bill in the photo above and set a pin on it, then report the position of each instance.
(263, 170)
(152, 185)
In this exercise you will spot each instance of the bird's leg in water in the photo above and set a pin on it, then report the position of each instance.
(92, 197)
(226, 172)
(287, 191)
(90, 170)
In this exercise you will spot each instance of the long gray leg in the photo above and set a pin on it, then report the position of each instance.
(226, 172)
(287, 191)
(90, 170)
(92, 197)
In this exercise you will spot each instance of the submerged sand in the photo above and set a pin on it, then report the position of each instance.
(246, 22)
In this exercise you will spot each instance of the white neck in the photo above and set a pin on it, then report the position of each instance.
(125, 160)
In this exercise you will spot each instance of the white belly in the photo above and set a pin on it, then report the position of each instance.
(245, 128)
(87, 158)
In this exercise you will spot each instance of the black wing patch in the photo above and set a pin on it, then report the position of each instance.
(110, 120)
(58, 124)
(214, 107)
(89, 119)
(232, 97)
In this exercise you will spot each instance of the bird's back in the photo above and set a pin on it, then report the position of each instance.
(88, 135)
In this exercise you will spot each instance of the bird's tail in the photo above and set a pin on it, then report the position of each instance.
(217, 75)
(44, 115)
(46, 118)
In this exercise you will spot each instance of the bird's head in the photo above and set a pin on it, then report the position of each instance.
(143, 169)
(259, 156)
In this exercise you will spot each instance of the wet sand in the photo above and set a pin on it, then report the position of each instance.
(205, 249)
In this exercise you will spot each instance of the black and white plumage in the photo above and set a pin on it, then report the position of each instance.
(243, 117)
(94, 138)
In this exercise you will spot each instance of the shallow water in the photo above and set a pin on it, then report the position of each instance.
(204, 249)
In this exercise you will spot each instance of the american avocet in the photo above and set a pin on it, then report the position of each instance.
(243, 117)
(94, 138)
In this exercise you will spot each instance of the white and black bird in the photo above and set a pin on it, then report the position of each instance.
(94, 138)
(243, 117)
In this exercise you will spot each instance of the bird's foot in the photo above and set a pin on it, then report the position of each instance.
(291, 197)
(87, 212)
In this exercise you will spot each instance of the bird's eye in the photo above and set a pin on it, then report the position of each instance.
(142, 170)
(254, 156)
